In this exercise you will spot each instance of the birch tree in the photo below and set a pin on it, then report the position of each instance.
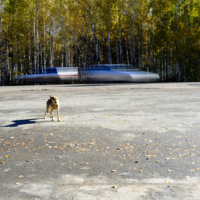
(1, 44)
(133, 13)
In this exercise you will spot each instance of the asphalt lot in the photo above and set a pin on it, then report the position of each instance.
(116, 141)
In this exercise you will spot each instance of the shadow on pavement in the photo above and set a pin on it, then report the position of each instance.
(22, 122)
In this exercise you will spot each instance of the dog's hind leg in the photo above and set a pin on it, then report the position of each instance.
(58, 114)
(45, 114)
(47, 110)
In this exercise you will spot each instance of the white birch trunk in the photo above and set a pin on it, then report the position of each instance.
(62, 48)
(37, 43)
(44, 46)
(133, 44)
(20, 60)
(127, 54)
(108, 28)
(133, 59)
(1, 34)
(117, 50)
(93, 16)
(34, 47)
(101, 46)
(71, 58)
(50, 50)
(75, 52)
(29, 53)
(142, 60)
(109, 51)
(15, 58)
(7, 61)
(6, 67)
(120, 42)
(67, 62)
(2, 69)
(41, 65)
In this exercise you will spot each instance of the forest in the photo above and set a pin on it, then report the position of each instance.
(153, 35)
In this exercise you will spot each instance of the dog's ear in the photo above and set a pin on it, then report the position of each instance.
(50, 96)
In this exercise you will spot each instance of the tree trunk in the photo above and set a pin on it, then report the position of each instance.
(142, 52)
(120, 41)
(35, 63)
(117, 49)
(167, 63)
(62, 48)
(6, 67)
(133, 58)
(20, 60)
(44, 46)
(117, 41)
(127, 53)
(37, 43)
(29, 54)
(49, 49)
(15, 57)
(101, 46)
(41, 65)
(2, 69)
(66, 55)
(1, 34)
(109, 51)
(108, 29)
(75, 52)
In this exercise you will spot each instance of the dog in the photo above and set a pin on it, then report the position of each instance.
(53, 104)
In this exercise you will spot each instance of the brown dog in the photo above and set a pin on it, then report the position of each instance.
(53, 104)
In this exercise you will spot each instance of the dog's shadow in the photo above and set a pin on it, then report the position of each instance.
(19, 122)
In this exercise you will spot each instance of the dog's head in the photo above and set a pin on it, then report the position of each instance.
(54, 99)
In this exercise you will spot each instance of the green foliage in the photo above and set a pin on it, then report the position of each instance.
(167, 33)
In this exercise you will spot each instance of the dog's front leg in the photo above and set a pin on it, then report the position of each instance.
(58, 114)
(45, 114)
(51, 114)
